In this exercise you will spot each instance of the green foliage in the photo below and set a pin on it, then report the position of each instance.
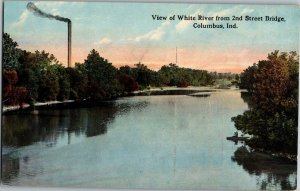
(10, 53)
(168, 75)
(48, 86)
(102, 77)
(144, 76)
(273, 117)
(247, 78)
(128, 71)
(128, 84)
(64, 83)
(78, 82)
(172, 75)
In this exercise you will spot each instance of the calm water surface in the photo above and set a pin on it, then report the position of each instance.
(166, 142)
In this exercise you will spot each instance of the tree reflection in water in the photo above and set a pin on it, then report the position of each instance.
(246, 97)
(272, 172)
(10, 168)
(50, 126)
(22, 129)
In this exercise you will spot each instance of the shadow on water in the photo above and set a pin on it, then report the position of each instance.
(272, 172)
(246, 97)
(48, 127)
(11, 168)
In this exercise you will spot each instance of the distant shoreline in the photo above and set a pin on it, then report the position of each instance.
(173, 91)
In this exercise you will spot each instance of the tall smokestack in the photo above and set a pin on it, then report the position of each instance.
(69, 43)
(36, 11)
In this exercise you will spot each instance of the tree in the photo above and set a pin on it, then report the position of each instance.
(270, 83)
(247, 78)
(10, 78)
(143, 74)
(64, 83)
(169, 74)
(128, 84)
(30, 69)
(78, 82)
(273, 118)
(29, 73)
(10, 53)
(128, 71)
(11, 93)
(172, 75)
(48, 86)
(102, 77)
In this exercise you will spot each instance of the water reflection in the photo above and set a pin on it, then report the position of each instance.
(273, 173)
(22, 129)
(11, 168)
(246, 97)
(154, 142)
(50, 127)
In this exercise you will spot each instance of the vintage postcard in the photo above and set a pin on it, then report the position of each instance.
(150, 95)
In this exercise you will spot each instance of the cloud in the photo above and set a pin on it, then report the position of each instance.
(246, 11)
(155, 34)
(55, 11)
(237, 10)
(21, 20)
(182, 25)
(104, 41)
(52, 7)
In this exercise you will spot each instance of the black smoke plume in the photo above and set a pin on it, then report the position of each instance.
(36, 11)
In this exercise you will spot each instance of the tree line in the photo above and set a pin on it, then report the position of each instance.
(38, 76)
(272, 119)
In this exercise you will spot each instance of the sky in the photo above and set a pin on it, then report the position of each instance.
(126, 34)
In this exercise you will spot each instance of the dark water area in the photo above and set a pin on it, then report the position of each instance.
(165, 142)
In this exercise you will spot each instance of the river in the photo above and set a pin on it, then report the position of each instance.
(164, 142)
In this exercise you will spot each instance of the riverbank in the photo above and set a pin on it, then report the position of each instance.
(67, 104)
(6, 109)
(192, 91)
